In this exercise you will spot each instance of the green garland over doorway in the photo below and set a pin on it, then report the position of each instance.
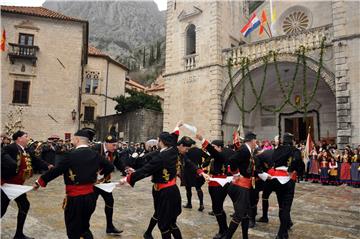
(271, 57)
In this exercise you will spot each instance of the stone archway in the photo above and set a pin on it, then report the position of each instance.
(270, 124)
(326, 74)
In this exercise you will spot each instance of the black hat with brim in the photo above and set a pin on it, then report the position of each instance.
(110, 139)
(82, 133)
(91, 133)
(288, 138)
(186, 141)
(218, 142)
(166, 138)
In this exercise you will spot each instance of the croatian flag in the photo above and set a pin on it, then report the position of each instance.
(253, 23)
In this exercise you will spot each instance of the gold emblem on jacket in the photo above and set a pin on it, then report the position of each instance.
(165, 175)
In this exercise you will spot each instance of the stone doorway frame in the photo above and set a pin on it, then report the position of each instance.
(296, 114)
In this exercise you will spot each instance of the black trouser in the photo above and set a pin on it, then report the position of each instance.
(241, 200)
(78, 212)
(109, 205)
(199, 193)
(254, 198)
(265, 198)
(23, 208)
(285, 195)
(167, 204)
(218, 195)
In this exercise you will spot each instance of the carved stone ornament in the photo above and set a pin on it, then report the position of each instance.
(185, 14)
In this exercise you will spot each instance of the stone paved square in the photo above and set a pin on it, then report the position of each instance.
(318, 212)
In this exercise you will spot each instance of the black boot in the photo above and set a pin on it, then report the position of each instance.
(175, 231)
(252, 223)
(265, 208)
(245, 228)
(188, 196)
(263, 219)
(22, 237)
(201, 199)
(22, 214)
(166, 235)
(232, 228)
(221, 219)
(152, 224)
(88, 235)
(110, 228)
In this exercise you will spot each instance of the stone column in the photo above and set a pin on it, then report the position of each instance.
(343, 107)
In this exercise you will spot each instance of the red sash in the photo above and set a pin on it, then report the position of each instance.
(159, 186)
(242, 182)
(78, 190)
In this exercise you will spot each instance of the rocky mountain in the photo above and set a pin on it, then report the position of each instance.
(122, 29)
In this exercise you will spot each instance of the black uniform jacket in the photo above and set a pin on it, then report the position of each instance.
(79, 166)
(240, 162)
(9, 161)
(289, 156)
(162, 166)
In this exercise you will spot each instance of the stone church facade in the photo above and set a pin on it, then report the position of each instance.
(201, 36)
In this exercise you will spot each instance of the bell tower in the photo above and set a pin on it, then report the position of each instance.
(197, 32)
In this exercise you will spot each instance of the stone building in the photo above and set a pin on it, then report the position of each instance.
(104, 79)
(41, 69)
(48, 70)
(201, 36)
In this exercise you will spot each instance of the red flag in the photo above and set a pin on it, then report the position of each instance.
(262, 22)
(3, 40)
(308, 147)
(236, 139)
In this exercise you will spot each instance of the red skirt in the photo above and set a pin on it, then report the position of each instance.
(345, 171)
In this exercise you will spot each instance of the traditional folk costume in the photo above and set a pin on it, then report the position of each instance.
(18, 165)
(114, 159)
(218, 169)
(287, 165)
(167, 198)
(79, 168)
(242, 165)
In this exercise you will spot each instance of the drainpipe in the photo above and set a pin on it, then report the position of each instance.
(80, 94)
(107, 82)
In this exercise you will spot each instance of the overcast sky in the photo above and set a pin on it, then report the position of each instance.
(161, 3)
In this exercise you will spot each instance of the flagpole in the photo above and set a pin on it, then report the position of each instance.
(267, 31)
(267, 23)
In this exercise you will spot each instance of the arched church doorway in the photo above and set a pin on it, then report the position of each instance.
(268, 119)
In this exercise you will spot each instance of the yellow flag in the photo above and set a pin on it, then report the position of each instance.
(273, 15)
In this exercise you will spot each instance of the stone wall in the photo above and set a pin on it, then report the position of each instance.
(137, 126)
(346, 44)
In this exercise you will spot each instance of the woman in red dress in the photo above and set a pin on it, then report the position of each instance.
(345, 176)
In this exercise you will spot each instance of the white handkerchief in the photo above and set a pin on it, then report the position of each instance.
(222, 181)
(191, 128)
(13, 191)
(263, 176)
(107, 187)
(282, 179)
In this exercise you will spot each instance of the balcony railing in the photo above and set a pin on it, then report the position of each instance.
(311, 39)
(18, 51)
(190, 62)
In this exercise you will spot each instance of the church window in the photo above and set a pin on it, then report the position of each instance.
(191, 40)
(295, 22)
